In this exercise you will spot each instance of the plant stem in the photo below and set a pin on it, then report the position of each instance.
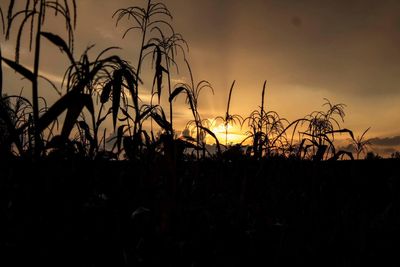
(35, 96)
(144, 31)
(169, 91)
(1, 75)
(226, 134)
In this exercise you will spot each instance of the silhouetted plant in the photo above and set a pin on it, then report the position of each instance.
(104, 78)
(192, 93)
(34, 13)
(321, 129)
(146, 20)
(230, 119)
(360, 145)
(395, 155)
(264, 127)
(16, 115)
(372, 156)
(151, 22)
(7, 127)
(317, 140)
(167, 48)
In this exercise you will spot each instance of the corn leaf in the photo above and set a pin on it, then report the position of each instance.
(213, 136)
(176, 92)
(58, 41)
(117, 86)
(105, 93)
(20, 69)
(80, 101)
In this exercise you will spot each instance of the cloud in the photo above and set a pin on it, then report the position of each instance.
(386, 141)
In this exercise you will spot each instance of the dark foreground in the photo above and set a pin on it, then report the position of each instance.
(246, 213)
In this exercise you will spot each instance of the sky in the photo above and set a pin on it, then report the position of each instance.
(347, 51)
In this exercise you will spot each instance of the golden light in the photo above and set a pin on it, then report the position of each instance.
(232, 134)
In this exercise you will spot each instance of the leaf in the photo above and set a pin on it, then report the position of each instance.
(120, 133)
(144, 114)
(20, 69)
(1, 72)
(125, 112)
(86, 129)
(342, 131)
(148, 46)
(187, 144)
(88, 101)
(56, 109)
(74, 110)
(2, 20)
(130, 80)
(100, 121)
(342, 153)
(213, 136)
(176, 92)
(117, 85)
(159, 77)
(58, 41)
(162, 122)
(51, 84)
(70, 119)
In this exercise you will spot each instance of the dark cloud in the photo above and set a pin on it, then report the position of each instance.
(387, 141)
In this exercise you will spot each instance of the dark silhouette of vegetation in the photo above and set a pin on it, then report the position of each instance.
(35, 14)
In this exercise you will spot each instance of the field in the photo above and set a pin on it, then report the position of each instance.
(220, 213)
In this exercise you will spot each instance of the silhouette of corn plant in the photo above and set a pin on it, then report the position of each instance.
(34, 14)
(192, 93)
(146, 20)
(201, 129)
(321, 129)
(9, 118)
(167, 48)
(105, 78)
(360, 144)
(151, 22)
(264, 128)
(230, 118)
(317, 141)
(16, 116)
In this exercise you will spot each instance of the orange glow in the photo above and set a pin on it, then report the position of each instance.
(235, 134)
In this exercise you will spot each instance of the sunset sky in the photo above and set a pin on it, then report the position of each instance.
(347, 51)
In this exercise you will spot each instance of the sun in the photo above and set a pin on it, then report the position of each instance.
(228, 135)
